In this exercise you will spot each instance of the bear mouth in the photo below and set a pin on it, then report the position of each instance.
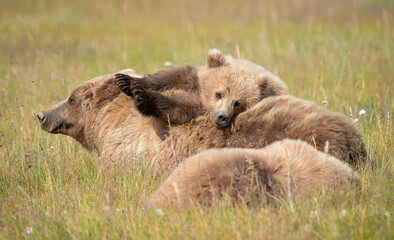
(58, 128)
(223, 125)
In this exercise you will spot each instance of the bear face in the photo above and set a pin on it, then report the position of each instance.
(71, 116)
(66, 117)
(230, 86)
(227, 88)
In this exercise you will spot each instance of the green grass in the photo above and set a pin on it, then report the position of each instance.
(50, 187)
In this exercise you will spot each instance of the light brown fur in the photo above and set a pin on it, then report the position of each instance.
(237, 81)
(284, 168)
(104, 119)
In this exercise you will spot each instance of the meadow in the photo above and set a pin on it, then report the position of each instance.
(337, 53)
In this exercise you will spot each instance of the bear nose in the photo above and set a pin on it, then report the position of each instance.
(222, 119)
(41, 117)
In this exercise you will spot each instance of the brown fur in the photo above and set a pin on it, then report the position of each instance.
(101, 118)
(284, 168)
(226, 87)
(237, 81)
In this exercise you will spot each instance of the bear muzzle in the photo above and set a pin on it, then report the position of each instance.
(51, 124)
(52, 119)
(222, 120)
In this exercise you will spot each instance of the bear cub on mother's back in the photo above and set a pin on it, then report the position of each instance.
(224, 87)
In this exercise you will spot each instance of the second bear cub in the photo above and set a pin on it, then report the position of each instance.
(280, 169)
(224, 87)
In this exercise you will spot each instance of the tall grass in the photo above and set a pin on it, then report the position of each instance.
(335, 51)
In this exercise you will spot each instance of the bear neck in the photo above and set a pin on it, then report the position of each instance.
(116, 128)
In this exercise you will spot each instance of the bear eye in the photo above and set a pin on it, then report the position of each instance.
(218, 95)
(70, 100)
(237, 104)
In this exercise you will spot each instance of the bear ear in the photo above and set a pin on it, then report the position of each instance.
(216, 59)
(263, 86)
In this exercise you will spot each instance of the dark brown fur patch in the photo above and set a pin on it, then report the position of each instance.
(106, 93)
(182, 77)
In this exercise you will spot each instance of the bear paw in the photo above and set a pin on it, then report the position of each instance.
(138, 93)
(123, 82)
(142, 101)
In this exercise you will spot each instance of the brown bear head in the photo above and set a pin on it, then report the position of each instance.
(230, 86)
(76, 115)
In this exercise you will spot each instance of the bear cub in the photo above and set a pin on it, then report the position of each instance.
(281, 169)
(224, 87)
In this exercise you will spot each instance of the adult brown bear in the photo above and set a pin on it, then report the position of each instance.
(102, 118)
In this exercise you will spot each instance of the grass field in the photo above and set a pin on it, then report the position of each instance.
(50, 187)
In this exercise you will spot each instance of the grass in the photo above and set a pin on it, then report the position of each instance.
(50, 187)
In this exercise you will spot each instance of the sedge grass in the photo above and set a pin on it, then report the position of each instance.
(339, 52)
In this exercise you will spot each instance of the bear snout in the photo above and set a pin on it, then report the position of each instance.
(222, 120)
(51, 122)
(41, 117)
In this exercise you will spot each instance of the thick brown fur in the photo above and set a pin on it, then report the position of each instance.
(104, 119)
(226, 87)
(282, 169)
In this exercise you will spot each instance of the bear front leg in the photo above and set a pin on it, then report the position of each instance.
(177, 108)
(144, 100)
(184, 77)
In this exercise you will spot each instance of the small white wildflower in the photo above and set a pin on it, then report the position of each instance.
(355, 120)
(52, 147)
(325, 102)
(29, 230)
(64, 212)
(117, 209)
(313, 214)
(168, 63)
(342, 214)
(386, 214)
(159, 212)
(362, 112)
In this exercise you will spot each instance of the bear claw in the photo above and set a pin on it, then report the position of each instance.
(123, 82)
